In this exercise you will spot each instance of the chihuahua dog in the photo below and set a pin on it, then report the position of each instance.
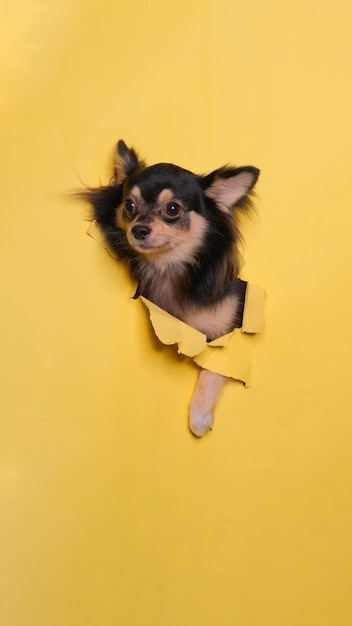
(179, 233)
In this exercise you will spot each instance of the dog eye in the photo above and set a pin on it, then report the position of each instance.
(173, 210)
(130, 207)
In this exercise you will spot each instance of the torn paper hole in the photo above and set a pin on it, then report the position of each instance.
(228, 355)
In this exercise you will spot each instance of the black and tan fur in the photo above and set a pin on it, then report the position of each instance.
(179, 233)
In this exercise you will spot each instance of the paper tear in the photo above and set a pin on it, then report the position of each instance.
(227, 355)
(232, 360)
(171, 330)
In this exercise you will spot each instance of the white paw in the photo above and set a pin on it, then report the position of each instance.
(200, 422)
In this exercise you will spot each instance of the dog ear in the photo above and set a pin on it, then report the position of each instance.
(125, 162)
(229, 186)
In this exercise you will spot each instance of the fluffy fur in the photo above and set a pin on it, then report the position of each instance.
(179, 233)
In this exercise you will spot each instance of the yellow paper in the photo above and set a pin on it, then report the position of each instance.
(112, 514)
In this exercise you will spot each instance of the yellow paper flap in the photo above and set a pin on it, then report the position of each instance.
(221, 341)
(231, 360)
(171, 330)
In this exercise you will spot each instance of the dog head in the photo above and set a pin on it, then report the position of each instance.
(164, 215)
(166, 211)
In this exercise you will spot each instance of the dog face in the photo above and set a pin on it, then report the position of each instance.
(163, 213)
(167, 211)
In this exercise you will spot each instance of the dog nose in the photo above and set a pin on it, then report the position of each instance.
(141, 231)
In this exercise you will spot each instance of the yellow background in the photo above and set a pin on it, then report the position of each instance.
(111, 513)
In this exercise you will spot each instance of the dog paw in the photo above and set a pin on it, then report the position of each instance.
(200, 423)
